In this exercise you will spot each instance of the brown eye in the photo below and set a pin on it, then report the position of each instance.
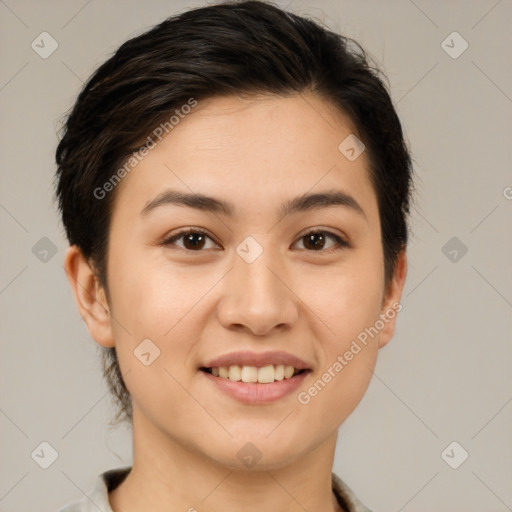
(195, 240)
(317, 240)
(192, 240)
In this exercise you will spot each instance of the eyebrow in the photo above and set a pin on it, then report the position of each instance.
(303, 203)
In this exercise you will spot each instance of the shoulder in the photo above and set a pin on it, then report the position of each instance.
(346, 497)
(97, 499)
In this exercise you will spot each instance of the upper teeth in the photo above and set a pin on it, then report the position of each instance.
(264, 374)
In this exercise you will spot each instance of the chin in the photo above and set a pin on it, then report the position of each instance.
(256, 452)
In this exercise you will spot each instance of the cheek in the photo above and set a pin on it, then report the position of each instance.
(153, 297)
(348, 303)
(153, 303)
(347, 299)
(348, 347)
(163, 303)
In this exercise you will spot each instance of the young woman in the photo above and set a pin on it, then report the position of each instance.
(235, 185)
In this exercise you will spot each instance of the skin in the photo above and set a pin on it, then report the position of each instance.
(256, 152)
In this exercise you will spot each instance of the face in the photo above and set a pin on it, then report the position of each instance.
(264, 277)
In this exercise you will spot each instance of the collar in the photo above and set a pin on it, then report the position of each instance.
(97, 500)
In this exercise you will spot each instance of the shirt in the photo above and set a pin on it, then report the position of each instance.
(97, 500)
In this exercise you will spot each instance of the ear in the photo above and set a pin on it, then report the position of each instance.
(391, 303)
(89, 296)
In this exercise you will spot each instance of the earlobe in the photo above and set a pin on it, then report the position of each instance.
(89, 296)
(391, 304)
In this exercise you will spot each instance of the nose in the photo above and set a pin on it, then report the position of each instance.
(258, 297)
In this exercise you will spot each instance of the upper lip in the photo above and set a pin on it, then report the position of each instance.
(247, 358)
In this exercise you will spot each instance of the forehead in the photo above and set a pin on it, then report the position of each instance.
(252, 150)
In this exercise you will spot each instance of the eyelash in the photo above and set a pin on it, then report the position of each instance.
(341, 243)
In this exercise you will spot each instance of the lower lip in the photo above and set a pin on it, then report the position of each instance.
(255, 393)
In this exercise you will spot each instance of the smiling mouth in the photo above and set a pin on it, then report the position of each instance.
(263, 375)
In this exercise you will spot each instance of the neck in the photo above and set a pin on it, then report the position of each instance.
(166, 476)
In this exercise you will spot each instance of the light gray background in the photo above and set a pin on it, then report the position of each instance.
(444, 377)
